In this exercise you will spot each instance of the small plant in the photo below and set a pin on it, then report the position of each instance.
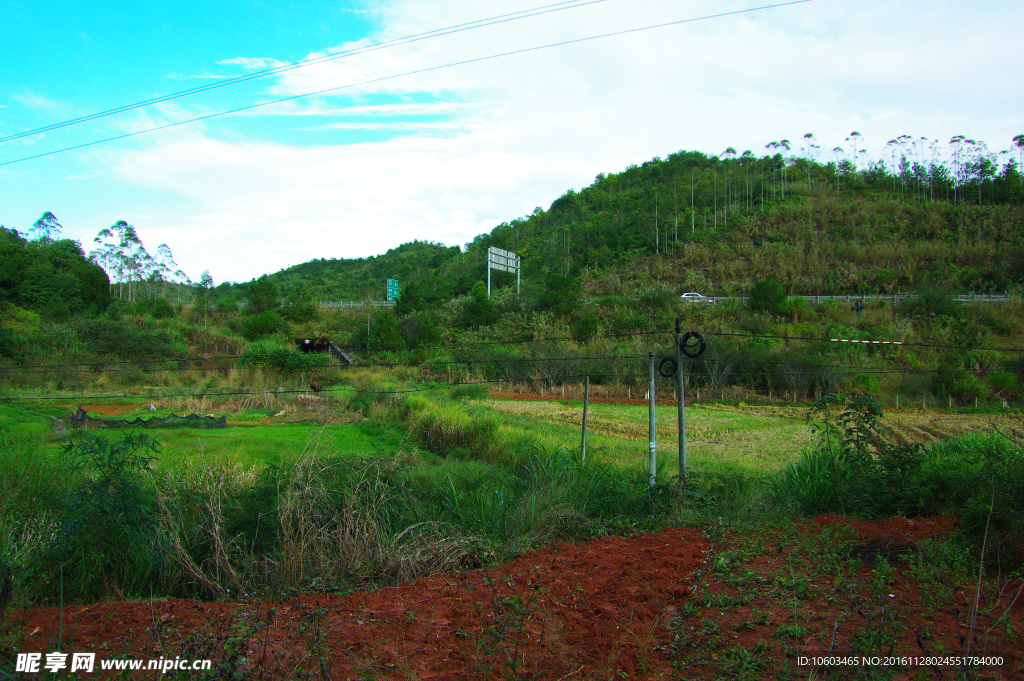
(503, 639)
(104, 533)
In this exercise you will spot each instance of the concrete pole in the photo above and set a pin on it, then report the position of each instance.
(652, 459)
(586, 401)
(681, 407)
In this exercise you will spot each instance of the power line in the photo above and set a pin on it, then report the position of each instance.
(902, 344)
(458, 28)
(813, 369)
(402, 75)
(42, 369)
(149, 365)
(388, 349)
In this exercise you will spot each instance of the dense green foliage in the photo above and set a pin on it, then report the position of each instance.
(52, 278)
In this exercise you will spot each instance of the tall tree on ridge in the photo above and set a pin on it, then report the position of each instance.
(46, 228)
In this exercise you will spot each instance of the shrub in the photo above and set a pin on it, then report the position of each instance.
(104, 537)
(161, 309)
(263, 295)
(264, 354)
(472, 391)
(587, 325)
(769, 296)
(657, 301)
(854, 470)
(561, 294)
(479, 311)
(261, 324)
(108, 337)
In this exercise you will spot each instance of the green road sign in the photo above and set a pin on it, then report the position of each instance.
(392, 289)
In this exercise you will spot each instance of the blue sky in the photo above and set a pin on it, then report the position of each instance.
(448, 154)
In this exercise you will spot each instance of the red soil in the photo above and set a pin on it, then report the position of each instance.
(610, 607)
(563, 609)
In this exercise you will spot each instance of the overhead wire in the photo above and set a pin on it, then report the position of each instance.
(373, 47)
(436, 385)
(829, 340)
(152, 364)
(402, 75)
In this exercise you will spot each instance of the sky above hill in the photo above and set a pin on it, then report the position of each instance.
(447, 153)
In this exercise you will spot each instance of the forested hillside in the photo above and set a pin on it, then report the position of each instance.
(718, 224)
(605, 266)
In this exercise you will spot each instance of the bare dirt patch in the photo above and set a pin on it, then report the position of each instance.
(677, 603)
(105, 410)
(595, 608)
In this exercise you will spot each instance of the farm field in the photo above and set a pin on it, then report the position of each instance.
(500, 572)
(754, 440)
(252, 438)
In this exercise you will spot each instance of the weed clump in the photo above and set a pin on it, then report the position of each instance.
(856, 470)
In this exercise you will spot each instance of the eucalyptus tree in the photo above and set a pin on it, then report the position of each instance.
(785, 144)
(729, 154)
(958, 145)
(837, 151)
(773, 146)
(854, 139)
(46, 228)
(1018, 142)
(810, 150)
(891, 146)
(202, 293)
(164, 263)
(747, 159)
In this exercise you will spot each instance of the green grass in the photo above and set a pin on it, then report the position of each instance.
(754, 441)
(273, 443)
(245, 441)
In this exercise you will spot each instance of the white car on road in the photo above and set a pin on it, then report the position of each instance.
(693, 298)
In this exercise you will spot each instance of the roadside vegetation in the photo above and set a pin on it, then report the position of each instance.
(421, 457)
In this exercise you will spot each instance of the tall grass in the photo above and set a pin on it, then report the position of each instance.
(977, 477)
(103, 518)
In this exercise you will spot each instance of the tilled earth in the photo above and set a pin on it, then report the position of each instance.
(679, 602)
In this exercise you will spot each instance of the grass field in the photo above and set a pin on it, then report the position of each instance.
(754, 440)
(751, 440)
(262, 439)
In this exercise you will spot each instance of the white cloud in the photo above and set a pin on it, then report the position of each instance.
(40, 103)
(254, 63)
(527, 127)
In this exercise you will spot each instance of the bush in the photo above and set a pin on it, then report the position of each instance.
(104, 537)
(265, 354)
(479, 311)
(658, 301)
(263, 295)
(261, 324)
(587, 325)
(561, 294)
(473, 391)
(161, 309)
(109, 337)
(854, 470)
(769, 296)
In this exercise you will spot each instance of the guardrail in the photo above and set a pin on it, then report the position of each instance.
(356, 303)
(849, 297)
(854, 297)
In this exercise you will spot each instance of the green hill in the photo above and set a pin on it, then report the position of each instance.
(698, 222)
